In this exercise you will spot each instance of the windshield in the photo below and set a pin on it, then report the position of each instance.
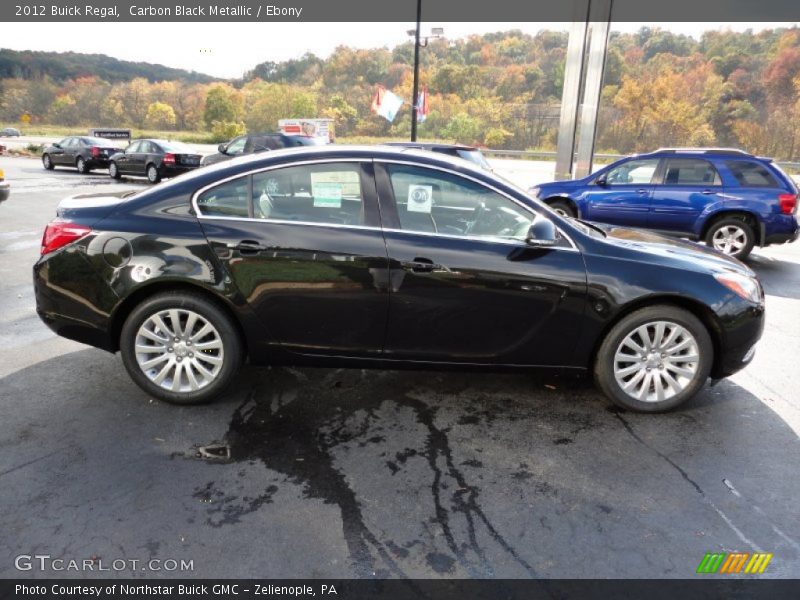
(475, 156)
(588, 228)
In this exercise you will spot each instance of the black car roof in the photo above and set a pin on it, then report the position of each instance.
(431, 145)
(241, 165)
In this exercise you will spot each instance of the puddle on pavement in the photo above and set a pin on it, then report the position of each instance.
(306, 426)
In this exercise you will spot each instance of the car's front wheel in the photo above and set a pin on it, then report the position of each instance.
(81, 165)
(113, 171)
(153, 176)
(563, 208)
(731, 236)
(654, 359)
(181, 348)
(47, 162)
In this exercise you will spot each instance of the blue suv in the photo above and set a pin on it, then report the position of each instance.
(728, 198)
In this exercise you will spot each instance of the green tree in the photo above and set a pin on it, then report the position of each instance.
(160, 115)
(223, 104)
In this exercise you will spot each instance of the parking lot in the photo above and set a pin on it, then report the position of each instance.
(350, 473)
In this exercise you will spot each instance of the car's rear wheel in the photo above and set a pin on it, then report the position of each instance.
(47, 162)
(153, 175)
(654, 359)
(731, 236)
(181, 348)
(563, 208)
(113, 171)
(81, 165)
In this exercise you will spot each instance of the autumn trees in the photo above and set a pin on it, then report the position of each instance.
(500, 89)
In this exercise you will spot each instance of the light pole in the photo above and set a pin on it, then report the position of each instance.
(419, 42)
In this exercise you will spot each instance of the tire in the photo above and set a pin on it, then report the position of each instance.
(47, 162)
(153, 176)
(731, 236)
(81, 165)
(563, 208)
(113, 172)
(690, 339)
(212, 373)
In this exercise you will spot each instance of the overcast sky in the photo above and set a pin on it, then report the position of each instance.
(229, 49)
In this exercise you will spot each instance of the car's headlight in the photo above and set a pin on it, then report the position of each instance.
(534, 191)
(743, 286)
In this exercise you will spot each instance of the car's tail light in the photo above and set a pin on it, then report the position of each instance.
(95, 151)
(169, 158)
(788, 203)
(59, 233)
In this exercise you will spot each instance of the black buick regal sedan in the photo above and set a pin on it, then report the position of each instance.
(380, 257)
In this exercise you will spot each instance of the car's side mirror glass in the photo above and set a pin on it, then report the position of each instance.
(542, 232)
(222, 148)
(601, 181)
(56, 145)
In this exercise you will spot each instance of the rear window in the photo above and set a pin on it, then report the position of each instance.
(178, 147)
(103, 142)
(751, 174)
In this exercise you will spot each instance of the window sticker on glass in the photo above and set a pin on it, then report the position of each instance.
(327, 195)
(420, 198)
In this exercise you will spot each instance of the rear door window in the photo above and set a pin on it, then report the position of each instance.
(317, 193)
(749, 173)
(690, 171)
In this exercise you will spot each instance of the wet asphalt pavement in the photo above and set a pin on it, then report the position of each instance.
(350, 473)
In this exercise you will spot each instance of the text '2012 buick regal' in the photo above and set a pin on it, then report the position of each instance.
(374, 257)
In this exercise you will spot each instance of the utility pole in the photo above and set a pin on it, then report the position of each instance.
(415, 95)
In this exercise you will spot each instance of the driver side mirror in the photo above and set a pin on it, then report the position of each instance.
(542, 233)
(222, 148)
(601, 181)
(56, 145)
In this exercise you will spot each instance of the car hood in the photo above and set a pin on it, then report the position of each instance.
(660, 246)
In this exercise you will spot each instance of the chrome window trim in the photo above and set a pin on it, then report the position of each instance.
(514, 242)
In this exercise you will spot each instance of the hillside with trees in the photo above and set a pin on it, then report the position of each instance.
(61, 66)
(501, 90)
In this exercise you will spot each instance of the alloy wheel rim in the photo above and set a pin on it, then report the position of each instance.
(729, 239)
(112, 169)
(46, 161)
(656, 361)
(80, 164)
(562, 212)
(179, 350)
(152, 173)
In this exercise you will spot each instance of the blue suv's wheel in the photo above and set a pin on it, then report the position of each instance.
(731, 236)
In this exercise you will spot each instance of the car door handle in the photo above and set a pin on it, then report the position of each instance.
(642, 191)
(709, 192)
(248, 247)
(423, 265)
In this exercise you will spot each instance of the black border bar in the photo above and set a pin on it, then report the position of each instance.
(349, 11)
(731, 588)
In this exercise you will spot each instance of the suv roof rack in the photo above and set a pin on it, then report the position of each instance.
(732, 151)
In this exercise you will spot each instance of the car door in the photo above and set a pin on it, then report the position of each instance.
(148, 152)
(465, 285)
(60, 154)
(304, 246)
(684, 188)
(124, 162)
(622, 195)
